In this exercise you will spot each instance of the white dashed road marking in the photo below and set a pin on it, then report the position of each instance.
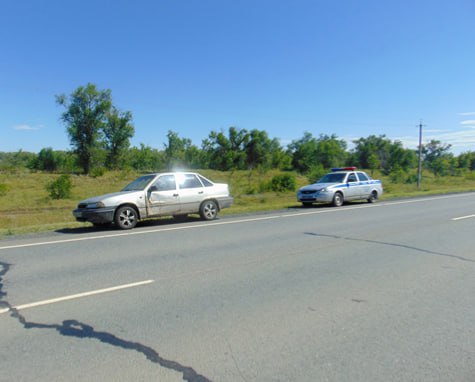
(76, 296)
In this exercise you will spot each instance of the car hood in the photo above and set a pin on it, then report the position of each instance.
(114, 198)
(317, 186)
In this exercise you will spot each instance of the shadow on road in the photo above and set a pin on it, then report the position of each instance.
(327, 205)
(74, 328)
(141, 224)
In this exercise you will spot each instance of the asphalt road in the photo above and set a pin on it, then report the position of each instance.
(382, 292)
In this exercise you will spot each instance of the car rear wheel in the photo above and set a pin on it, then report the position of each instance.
(337, 200)
(208, 210)
(126, 217)
(373, 198)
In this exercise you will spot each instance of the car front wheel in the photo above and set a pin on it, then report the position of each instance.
(208, 210)
(126, 217)
(337, 200)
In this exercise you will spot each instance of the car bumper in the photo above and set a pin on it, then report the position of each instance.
(318, 197)
(100, 215)
(225, 202)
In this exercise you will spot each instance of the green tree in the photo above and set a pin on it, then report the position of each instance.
(400, 158)
(466, 161)
(263, 152)
(118, 130)
(372, 151)
(15, 160)
(180, 152)
(257, 149)
(331, 151)
(226, 152)
(310, 153)
(85, 118)
(303, 152)
(47, 160)
(194, 157)
(67, 161)
(381, 153)
(437, 157)
(54, 160)
(145, 158)
(373, 162)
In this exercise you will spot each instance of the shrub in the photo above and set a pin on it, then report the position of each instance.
(60, 188)
(285, 182)
(315, 173)
(398, 175)
(265, 186)
(411, 179)
(3, 189)
(97, 172)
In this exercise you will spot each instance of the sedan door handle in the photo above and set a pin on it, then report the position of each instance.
(200, 192)
(175, 195)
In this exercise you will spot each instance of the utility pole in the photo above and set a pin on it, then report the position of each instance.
(419, 167)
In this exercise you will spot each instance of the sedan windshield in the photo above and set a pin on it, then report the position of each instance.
(333, 178)
(139, 183)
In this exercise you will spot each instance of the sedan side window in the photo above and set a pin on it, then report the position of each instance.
(190, 181)
(165, 183)
(205, 181)
(352, 178)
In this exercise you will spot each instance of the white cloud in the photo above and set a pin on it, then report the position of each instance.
(26, 127)
(470, 122)
(436, 131)
(468, 113)
(460, 141)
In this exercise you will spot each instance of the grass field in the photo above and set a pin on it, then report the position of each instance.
(25, 205)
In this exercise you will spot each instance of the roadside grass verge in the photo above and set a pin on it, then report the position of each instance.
(25, 206)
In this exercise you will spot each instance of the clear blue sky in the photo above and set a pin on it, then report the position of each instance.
(350, 68)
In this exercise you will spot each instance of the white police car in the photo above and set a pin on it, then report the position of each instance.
(340, 185)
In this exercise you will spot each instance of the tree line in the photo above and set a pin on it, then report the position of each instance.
(100, 134)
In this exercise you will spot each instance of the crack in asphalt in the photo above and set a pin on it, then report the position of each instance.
(235, 362)
(74, 328)
(391, 244)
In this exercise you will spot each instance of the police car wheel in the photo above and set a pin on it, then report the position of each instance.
(337, 200)
(373, 198)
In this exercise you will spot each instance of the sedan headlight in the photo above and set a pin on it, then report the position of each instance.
(96, 205)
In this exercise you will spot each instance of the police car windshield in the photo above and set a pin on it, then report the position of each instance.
(333, 178)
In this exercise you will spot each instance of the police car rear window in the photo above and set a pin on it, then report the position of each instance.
(362, 176)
